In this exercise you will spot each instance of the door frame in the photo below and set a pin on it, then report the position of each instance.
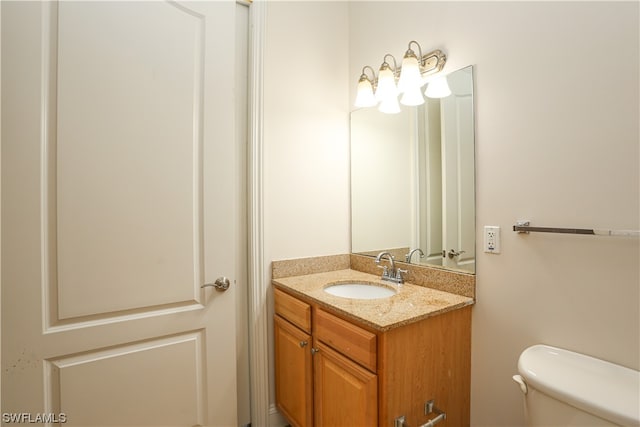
(258, 273)
(0, 200)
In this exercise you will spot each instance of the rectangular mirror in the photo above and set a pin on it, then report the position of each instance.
(413, 180)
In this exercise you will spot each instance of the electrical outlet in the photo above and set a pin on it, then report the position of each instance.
(492, 239)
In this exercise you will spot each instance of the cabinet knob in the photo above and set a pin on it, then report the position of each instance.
(303, 343)
(314, 350)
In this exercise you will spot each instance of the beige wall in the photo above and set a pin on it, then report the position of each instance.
(557, 143)
(306, 133)
(306, 120)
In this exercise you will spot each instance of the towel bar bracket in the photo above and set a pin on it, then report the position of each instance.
(428, 409)
(519, 225)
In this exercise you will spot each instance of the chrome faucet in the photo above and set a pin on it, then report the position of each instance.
(391, 273)
(408, 256)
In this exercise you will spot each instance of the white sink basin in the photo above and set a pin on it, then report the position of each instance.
(359, 291)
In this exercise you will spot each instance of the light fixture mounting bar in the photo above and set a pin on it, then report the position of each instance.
(432, 62)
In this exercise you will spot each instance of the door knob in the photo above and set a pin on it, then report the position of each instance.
(221, 284)
(453, 253)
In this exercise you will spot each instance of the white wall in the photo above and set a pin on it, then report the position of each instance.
(306, 133)
(558, 144)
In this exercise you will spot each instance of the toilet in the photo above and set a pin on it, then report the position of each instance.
(563, 388)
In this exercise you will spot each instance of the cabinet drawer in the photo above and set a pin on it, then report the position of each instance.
(294, 310)
(350, 340)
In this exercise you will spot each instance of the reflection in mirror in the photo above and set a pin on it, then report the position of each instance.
(413, 180)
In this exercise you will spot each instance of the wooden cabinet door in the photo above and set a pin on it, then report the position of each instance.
(293, 370)
(345, 394)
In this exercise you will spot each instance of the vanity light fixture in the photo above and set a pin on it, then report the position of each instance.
(387, 88)
(387, 91)
(438, 88)
(365, 97)
(407, 80)
(389, 105)
(411, 76)
(412, 97)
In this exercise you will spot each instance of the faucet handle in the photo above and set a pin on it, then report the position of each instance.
(385, 270)
(399, 272)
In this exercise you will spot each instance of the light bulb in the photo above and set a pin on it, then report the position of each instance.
(410, 77)
(365, 97)
(386, 84)
(438, 88)
(412, 97)
(389, 105)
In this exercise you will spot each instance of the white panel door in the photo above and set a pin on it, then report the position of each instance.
(119, 202)
(458, 173)
(430, 182)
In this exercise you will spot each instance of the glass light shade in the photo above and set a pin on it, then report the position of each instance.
(389, 105)
(365, 97)
(438, 88)
(410, 77)
(412, 97)
(386, 84)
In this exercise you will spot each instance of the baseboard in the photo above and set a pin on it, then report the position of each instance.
(275, 418)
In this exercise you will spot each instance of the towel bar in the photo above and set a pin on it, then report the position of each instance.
(524, 227)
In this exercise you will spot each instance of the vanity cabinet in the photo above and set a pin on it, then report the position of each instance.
(351, 374)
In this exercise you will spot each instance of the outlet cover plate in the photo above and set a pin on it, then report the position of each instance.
(492, 239)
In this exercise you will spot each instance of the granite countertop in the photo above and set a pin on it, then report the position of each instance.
(410, 304)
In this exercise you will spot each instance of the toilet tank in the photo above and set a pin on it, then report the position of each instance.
(566, 388)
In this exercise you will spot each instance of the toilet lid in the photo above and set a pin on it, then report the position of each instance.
(601, 388)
